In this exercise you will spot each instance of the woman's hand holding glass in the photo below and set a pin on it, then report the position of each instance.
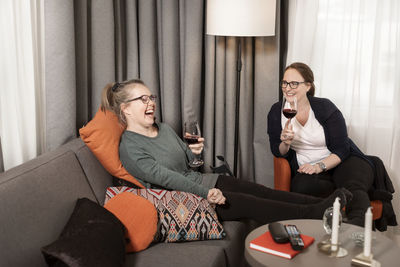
(197, 148)
(287, 133)
(192, 136)
(289, 110)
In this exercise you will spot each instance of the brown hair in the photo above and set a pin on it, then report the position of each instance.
(115, 94)
(307, 74)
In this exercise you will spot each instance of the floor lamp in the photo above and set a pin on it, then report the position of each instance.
(241, 18)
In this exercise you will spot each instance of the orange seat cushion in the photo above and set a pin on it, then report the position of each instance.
(282, 174)
(376, 209)
(138, 215)
(102, 135)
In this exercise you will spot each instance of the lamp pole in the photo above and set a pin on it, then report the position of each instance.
(238, 70)
(240, 18)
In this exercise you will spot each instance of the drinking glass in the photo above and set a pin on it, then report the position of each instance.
(327, 220)
(191, 134)
(289, 106)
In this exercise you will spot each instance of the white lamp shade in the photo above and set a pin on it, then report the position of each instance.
(241, 17)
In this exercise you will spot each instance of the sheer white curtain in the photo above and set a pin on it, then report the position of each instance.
(353, 48)
(20, 75)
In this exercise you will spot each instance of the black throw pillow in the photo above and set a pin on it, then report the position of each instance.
(93, 236)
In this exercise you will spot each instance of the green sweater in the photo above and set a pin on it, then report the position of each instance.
(160, 161)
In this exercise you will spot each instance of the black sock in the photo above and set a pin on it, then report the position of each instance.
(317, 211)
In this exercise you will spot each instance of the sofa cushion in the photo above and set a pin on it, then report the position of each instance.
(102, 135)
(37, 199)
(182, 216)
(233, 243)
(179, 254)
(139, 217)
(98, 177)
(93, 236)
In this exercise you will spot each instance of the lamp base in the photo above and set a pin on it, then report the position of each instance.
(332, 250)
(362, 260)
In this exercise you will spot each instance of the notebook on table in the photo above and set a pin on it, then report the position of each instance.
(265, 243)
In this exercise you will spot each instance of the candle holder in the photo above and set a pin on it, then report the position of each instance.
(362, 260)
(332, 250)
(331, 246)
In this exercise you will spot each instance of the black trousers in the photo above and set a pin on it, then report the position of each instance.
(354, 173)
(247, 200)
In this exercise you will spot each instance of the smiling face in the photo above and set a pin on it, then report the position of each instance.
(292, 75)
(137, 113)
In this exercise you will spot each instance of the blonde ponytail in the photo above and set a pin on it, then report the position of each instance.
(115, 94)
(106, 98)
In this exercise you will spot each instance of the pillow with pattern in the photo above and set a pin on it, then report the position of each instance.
(182, 216)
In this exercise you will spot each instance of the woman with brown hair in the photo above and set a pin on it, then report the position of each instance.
(321, 155)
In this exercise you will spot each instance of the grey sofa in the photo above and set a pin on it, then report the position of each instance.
(38, 197)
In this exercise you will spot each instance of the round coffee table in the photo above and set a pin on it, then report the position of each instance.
(384, 250)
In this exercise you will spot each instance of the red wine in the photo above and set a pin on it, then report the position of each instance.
(191, 139)
(289, 113)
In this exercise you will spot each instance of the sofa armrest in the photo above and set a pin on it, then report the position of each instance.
(282, 174)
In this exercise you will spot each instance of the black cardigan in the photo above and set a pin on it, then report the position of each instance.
(332, 121)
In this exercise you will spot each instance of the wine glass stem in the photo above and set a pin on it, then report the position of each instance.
(197, 157)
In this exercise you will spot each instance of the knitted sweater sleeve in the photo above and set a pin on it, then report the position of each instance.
(141, 164)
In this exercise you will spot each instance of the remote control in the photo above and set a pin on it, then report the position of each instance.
(294, 237)
(278, 232)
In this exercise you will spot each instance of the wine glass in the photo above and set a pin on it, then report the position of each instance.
(289, 106)
(328, 218)
(191, 134)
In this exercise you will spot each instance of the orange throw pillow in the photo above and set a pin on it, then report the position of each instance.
(102, 135)
(139, 217)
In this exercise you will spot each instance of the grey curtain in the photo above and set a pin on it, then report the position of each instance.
(91, 43)
(160, 42)
(259, 79)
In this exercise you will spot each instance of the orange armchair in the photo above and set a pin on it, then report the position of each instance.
(282, 177)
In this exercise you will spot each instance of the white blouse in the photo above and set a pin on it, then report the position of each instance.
(309, 140)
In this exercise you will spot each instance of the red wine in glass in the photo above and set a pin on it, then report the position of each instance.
(191, 134)
(289, 113)
(289, 106)
(191, 139)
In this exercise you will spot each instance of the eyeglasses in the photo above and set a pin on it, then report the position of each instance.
(292, 84)
(145, 98)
